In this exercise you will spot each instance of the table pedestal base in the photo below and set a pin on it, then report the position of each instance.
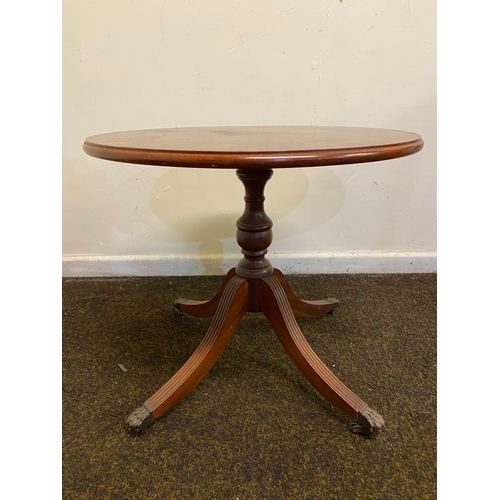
(272, 296)
(254, 286)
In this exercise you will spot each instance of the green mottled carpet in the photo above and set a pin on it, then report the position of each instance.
(254, 428)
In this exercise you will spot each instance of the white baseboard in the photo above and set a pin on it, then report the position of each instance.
(318, 263)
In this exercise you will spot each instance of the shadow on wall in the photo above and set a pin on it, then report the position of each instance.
(117, 209)
(203, 206)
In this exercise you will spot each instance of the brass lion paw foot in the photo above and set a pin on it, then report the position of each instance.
(177, 305)
(369, 422)
(335, 303)
(139, 419)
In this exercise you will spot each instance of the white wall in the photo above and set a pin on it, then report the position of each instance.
(156, 63)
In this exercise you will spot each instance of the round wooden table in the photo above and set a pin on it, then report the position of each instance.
(253, 285)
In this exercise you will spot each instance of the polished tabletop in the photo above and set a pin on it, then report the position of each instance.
(253, 147)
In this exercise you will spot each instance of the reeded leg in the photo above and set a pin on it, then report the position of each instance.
(305, 308)
(231, 308)
(277, 309)
(203, 308)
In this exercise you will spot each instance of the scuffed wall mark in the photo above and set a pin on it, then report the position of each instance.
(273, 28)
(270, 29)
(261, 33)
(350, 177)
(107, 24)
(316, 63)
(97, 87)
(256, 36)
(316, 103)
(285, 11)
(82, 52)
(95, 95)
(409, 7)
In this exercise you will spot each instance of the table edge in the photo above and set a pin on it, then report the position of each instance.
(254, 160)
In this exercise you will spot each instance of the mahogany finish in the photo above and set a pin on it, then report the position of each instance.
(254, 286)
(279, 313)
(254, 234)
(253, 147)
(305, 308)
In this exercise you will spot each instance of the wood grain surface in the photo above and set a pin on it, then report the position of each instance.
(253, 147)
